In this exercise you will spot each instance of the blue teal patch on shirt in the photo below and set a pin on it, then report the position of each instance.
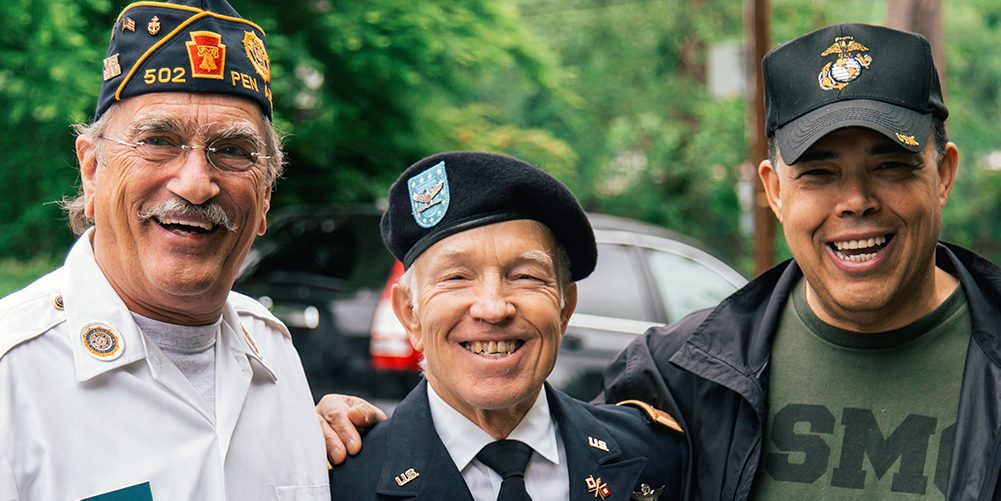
(138, 492)
(429, 195)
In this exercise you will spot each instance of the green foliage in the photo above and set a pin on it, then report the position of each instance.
(15, 274)
(48, 80)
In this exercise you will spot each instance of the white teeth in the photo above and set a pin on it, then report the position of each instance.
(196, 224)
(860, 244)
(857, 258)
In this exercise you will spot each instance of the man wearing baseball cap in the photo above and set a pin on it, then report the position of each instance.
(493, 248)
(869, 365)
(133, 372)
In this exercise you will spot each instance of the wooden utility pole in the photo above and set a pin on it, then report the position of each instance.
(756, 19)
(924, 17)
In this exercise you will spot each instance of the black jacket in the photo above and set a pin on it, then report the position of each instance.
(710, 371)
(638, 452)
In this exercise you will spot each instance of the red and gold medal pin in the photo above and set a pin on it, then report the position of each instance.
(597, 487)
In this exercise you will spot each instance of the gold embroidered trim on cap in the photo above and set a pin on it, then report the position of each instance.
(199, 14)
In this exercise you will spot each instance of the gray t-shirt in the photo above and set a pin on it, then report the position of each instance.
(190, 347)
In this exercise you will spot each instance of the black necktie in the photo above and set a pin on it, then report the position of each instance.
(509, 459)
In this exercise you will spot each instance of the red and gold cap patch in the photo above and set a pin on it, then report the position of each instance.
(102, 342)
(207, 54)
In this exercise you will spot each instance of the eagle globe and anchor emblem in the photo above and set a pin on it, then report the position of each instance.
(849, 65)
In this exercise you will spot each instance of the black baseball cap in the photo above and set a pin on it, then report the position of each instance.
(448, 193)
(185, 46)
(851, 75)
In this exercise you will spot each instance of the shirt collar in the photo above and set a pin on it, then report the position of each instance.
(463, 439)
(91, 302)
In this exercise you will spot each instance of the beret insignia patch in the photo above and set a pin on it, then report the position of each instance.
(207, 54)
(257, 54)
(429, 195)
(102, 342)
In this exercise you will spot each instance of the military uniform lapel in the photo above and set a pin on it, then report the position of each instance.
(595, 464)
(418, 466)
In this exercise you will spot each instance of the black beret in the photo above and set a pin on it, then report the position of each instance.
(448, 193)
(185, 46)
(851, 75)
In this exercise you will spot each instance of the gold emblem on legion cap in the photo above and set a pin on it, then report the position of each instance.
(154, 26)
(102, 342)
(257, 55)
(847, 67)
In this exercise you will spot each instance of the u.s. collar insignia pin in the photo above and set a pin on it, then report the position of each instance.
(646, 493)
(597, 487)
(847, 67)
(597, 444)
(102, 342)
(129, 24)
(429, 195)
(405, 477)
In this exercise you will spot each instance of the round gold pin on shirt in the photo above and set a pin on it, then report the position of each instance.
(102, 342)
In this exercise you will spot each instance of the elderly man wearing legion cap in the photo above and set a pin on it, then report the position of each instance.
(493, 248)
(132, 372)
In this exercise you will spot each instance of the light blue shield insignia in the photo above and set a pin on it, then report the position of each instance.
(429, 195)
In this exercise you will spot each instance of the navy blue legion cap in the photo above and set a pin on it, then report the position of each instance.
(185, 46)
(851, 75)
(448, 193)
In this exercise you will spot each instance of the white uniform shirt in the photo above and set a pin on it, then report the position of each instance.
(75, 424)
(546, 476)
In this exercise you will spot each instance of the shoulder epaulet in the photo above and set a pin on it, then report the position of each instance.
(29, 313)
(656, 415)
(246, 306)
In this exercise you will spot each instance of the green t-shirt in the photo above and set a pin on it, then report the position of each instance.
(862, 416)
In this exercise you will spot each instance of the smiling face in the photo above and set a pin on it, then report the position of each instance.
(488, 317)
(164, 263)
(861, 217)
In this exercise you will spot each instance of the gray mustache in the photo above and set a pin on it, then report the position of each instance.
(210, 211)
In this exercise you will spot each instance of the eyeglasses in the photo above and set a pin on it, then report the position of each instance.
(226, 154)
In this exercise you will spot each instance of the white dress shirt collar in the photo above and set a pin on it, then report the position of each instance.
(463, 439)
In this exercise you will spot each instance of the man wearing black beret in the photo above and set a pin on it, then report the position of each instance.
(492, 248)
(133, 372)
(869, 365)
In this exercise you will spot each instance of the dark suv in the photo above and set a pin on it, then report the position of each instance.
(322, 271)
(325, 273)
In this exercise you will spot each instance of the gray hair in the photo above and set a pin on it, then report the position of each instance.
(75, 206)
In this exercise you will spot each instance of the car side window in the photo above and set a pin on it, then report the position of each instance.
(612, 290)
(686, 285)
